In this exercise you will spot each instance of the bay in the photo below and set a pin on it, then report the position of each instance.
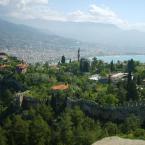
(122, 58)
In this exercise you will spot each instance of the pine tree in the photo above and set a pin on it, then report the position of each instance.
(39, 132)
(112, 67)
(78, 54)
(132, 93)
(84, 65)
(131, 66)
(2, 137)
(63, 59)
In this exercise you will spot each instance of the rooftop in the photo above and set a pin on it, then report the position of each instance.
(118, 75)
(95, 77)
(2, 53)
(3, 66)
(60, 87)
(22, 66)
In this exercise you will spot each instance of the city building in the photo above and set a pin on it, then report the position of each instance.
(3, 67)
(3, 56)
(60, 87)
(118, 76)
(22, 68)
(95, 77)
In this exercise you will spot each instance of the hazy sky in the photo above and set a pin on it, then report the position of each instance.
(123, 13)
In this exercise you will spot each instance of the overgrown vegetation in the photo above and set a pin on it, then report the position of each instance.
(50, 125)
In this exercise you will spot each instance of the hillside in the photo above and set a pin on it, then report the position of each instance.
(61, 105)
(34, 45)
(43, 41)
(106, 36)
(13, 36)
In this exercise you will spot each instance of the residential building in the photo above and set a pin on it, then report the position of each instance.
(22, 68)
(3, 56)
(60, 87)
(3, 67)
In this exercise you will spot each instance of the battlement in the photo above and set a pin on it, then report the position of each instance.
(91, 108)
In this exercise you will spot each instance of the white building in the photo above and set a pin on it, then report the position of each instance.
(95, 77)
(3, 56)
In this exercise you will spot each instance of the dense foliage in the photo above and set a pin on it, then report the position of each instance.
(50, 125)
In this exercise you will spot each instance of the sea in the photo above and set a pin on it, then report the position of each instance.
(121, 58)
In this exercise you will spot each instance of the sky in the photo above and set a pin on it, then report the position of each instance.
(123, 13)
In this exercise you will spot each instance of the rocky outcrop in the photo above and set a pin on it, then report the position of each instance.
(119, 141)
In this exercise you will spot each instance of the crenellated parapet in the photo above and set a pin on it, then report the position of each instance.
(105, 112)
(109, 112)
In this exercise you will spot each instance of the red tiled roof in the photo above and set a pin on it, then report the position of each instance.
(22, 66)
(60, 87)
(3, 66)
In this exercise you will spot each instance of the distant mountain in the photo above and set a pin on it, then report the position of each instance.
(33, 44)
(46, 40)
(106, 36)
(21, 36)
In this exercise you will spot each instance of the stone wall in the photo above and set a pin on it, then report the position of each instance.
(112, 113)
(91, 108)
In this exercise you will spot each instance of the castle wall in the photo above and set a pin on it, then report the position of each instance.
(91, 108)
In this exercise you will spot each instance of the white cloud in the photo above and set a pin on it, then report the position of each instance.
(39, 9)
(31, 9)
(35, 9)
(4, 2)
(77, 16)
(138, 26)
(100, 11)
(23, 3)
(97, 14)
(26, 9)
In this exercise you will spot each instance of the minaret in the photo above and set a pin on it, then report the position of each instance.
(78, 54)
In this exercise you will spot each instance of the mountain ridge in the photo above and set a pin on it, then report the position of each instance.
(18, 33)
(34, 45)
(104, 35)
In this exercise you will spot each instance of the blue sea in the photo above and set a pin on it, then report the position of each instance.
(115, 58)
